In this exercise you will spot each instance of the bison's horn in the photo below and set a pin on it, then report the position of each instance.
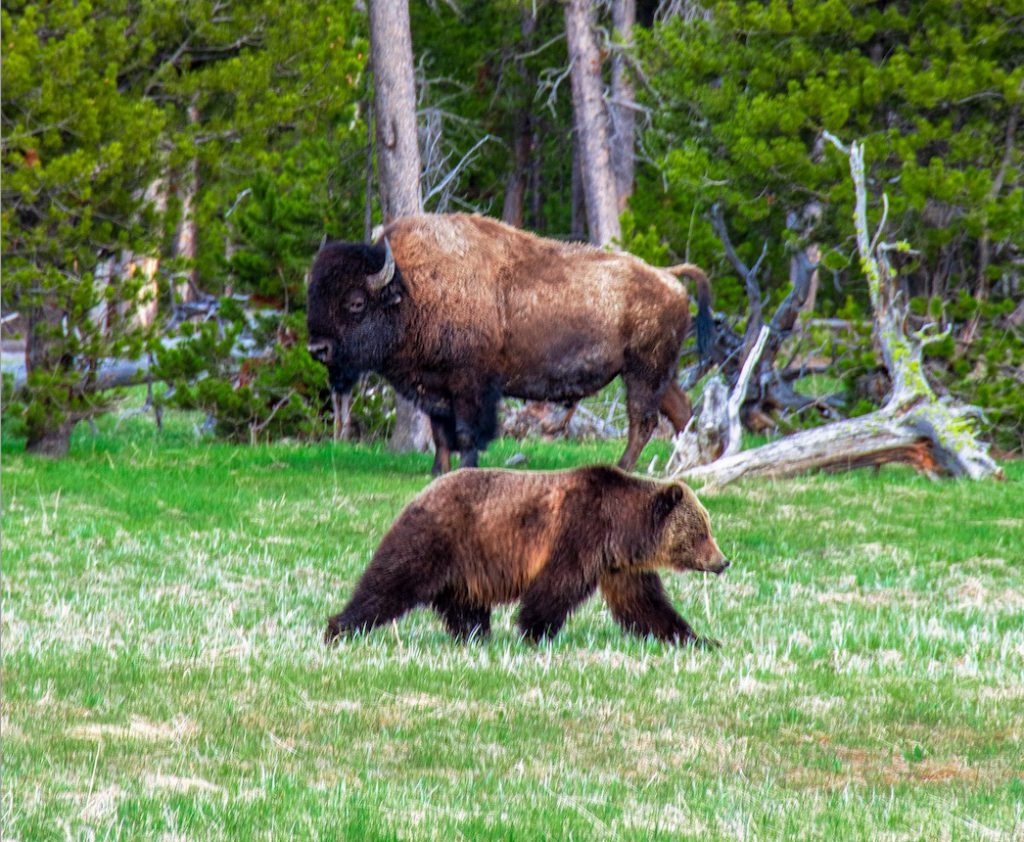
(377, 281)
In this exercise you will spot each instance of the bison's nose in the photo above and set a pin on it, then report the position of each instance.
(320, 350)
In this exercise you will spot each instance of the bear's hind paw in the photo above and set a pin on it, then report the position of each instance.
(333, 631)
(706, 643)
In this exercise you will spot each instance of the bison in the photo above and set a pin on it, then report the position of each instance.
(457, 310)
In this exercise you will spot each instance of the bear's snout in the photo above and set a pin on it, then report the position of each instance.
(720, 568)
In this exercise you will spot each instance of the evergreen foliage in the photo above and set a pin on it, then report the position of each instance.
(79, 151)
(119, 119)
(740, 100)
(97, 124)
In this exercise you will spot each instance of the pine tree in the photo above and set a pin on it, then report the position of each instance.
(79, 152)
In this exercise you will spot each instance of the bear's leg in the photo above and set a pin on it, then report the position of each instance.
(396, 581)
(640, 605)
(557, 591)
(460, 618)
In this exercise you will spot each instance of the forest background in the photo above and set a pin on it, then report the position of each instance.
(169, 170)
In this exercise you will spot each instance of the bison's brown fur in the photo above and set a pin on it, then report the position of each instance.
(476, 539)
(476, 309)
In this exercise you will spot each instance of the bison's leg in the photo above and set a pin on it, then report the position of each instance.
(675, 406)
(642, 401)
(444, 440)
(476, 419)
(461, 619)
(639, 604)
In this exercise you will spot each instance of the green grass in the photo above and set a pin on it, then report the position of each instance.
(163, 676)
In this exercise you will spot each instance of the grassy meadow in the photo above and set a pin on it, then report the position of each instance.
(163, 601)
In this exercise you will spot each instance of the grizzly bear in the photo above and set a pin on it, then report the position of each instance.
(474, 539)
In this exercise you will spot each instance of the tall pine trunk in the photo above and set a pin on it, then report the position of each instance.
(513, 210)
(591, 121)
(622, 113)
(398, 157)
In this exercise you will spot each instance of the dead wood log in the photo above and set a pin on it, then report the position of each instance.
(341, 405)
(717, 432)
(936, 436)
(770, 390)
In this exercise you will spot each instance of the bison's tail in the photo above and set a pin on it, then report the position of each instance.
(705, 322)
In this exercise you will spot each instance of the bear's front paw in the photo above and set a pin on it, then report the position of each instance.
(707, 643)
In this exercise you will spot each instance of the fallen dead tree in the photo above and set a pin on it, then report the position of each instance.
(936, 436)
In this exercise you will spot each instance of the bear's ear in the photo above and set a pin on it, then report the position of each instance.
(665, 502)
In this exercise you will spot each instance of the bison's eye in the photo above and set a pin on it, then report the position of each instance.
(356, 305)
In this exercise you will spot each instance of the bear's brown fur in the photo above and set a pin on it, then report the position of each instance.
(475, 539)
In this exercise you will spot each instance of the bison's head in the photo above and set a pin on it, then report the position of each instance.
(352, 309)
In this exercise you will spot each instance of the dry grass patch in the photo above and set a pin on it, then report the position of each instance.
(159, 782)
(137, 729)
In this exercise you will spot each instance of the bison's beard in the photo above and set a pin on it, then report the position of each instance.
(367, 346)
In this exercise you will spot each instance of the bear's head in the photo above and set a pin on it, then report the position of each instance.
(684, 534)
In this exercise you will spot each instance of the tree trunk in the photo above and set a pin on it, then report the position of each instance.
(535, 180)
(185, 236)
(54, 442)
(591, 121)
(622, 113)
(398, 157)
(522, 143)
(143, 311)
(512, 211)
(578, 223)
(368, 177)
(870, 440)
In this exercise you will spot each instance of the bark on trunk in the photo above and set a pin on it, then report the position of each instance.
(54, 442)
(623, 115)
(591, 121)
(185, 237)
(537, 188)
(578, 224)
(398, 157)
(513, 210)
(143, 311)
